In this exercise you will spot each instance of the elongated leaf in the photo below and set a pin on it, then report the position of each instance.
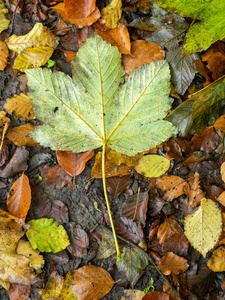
(91, 109)
(4, 22)
(203, 227)
(152, 165)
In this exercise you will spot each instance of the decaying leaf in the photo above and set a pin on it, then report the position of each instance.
(111, 13)
(47, 235)
(217, 261)
(4, 53)
(55, 177)
(142, 53)
(173, 185)
(4, 22)
(18, 135)
(19, 200)
(117, 184)
(152, 165)
(171, 262)
(156, 296)
(21, 106)
(203, 226)
(79, 241)
(132, 295)
(53, 287)
(193, 190)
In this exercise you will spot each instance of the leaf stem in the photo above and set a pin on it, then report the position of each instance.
(107, 203)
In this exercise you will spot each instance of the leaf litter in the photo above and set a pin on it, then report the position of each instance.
(153, 211)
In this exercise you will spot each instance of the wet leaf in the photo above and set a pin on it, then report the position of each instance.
(19, 200)
(216, 262)
(79, 241)
(18, 135)
(118, 37)
(206, 32)
(142, 53)
(152, 165)
(111, 14)
(203, 227)
(55, 177)
(21, 106)
(91, 283)
(134, 209)
(106, 242)
(174, 186)
(73, 163)
(117, 184)
(4, 22)
(171, 262)
(47, 235)
(4, 53)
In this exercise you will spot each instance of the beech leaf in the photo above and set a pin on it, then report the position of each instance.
(112, 13)
(4, 22)
(91, 110)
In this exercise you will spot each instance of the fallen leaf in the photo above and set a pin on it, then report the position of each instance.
(132, 295)
(55, 177)
(91, 283)
(217, 261)
(18, 291)
(222, 171)
(21, 106)
(47, 235)
(203, 226)
(19, 200)
(208, 141)
(73, 163)
(168, 290)
(4, 22)
(152, 165)
(79, 10)
(4, 153)
(3, 118)
(173, 185)
(4, 53)
(53, 287)
(85, 33)
(18, 135)
(106, 242)
(171, 262)
(111, 14)
(193, 190)
(176, 243)
(156, 296)
(221, 198)
(135, 207)
(70, 55)
(118, 37)
(59, 212)
(117, 184)
(142, 53)
(155, 206)
(220, 123)
(79, 241)
(168, 228)
(34, 10)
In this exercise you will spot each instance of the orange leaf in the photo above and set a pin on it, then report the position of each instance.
(4, 53)
(70, 55)
(193, 190)
(118, 36)
(171, 262)
(174, 186)
(220, 123)
(19, 291)
(91, 283)
(79, 9)
(55, 177)
(18, 135)
(73, 163)
(156, 296)
(217, 261)
(222, 171)
(168, 228)
(142, 53)
(221, 198)
(18, 202)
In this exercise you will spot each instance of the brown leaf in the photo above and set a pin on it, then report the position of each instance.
(174, 186)
(91, 283)
(18, 291)
(130, 230)
(202, 70)
(142, 53)
(55, 177)
(79, 9)
(19, 200)
(155, 206)
(18, 135)
(167, 289)
(156, 296)
(194, 159)
(208, 141)
(176, 243)
(171, 262)
(117, 184)
(17, 164)
(168, 228)
(70, 55)
(134, 209)
(215, 57)
(84, 34)
(178, 146)
(4, 153)
(73, 163)
(79, 240)
(116, 37)
(59, 212)
(21, 106)
(4, 53)
(34, 10)
(193, 190)
(221, 198)
(220, 123)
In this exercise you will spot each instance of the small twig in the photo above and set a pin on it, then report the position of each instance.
(179, 33)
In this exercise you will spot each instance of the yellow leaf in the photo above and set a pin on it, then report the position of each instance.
(53, 287)
(152, 165)
(216, 262)
(112, 13)
(132, 295)
(18, 135)
(4, 53)
(222, 171)
(3, 118)
(21, 106)
(203, 226)
(32, 58)
(39, 36)
(4, 23)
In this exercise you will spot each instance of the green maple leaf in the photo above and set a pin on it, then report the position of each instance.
(211, 27)
(92, 109)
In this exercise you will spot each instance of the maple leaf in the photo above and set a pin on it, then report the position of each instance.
(91, 109)
(210, 29)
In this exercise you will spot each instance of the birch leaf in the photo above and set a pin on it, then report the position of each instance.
(91, 109)
(203, 227)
